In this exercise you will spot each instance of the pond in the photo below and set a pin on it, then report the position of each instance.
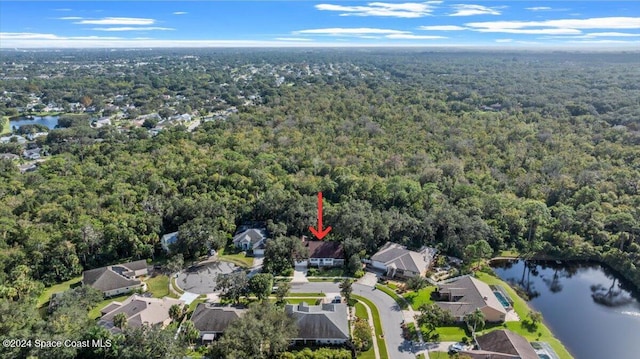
(49, 121)
(585, 305)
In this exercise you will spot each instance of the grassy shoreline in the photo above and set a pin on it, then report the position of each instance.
(6, 127)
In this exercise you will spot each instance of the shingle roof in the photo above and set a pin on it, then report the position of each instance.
(507, 342)
(324, 249)
(210, 318)
(327, 321)
(115, 276)
(400, 257)
(471, 294)
(253, 235)
(141, 310)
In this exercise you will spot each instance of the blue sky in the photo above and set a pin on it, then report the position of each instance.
(146, 24)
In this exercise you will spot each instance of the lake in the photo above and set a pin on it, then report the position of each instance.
(49, 121)
(571, 298)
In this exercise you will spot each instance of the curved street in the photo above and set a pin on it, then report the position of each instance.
(391, 316)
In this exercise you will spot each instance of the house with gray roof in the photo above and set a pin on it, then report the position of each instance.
(116, 279)
(139, 311)
(167, 240)
(502, 344)
(397, 261)
(212, 320)
(320, 324)
(254, 239)
(467, 294)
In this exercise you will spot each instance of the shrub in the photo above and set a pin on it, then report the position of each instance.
(359, 273)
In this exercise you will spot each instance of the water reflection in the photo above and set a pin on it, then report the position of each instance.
(591, 310)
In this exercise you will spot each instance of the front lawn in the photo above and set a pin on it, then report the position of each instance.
(61, 287)
(325, 272)
(158, 286)
(382, 345)
(438, 355)
(423, 296)
(310, 301)
(240, 259)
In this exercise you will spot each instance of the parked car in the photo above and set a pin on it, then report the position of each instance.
(456, 347)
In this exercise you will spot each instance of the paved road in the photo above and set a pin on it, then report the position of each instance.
(390, 314)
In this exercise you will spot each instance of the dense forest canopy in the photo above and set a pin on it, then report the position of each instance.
(538, 152)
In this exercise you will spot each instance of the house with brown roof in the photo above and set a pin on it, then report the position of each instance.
(320, 324)
(116, 279)
(139, 311)
(465, 295)
(212, 320)
(397, 261)
(502, 344)
(323, 253)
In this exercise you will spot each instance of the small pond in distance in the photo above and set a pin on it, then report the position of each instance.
(585, 305)
(50, 121)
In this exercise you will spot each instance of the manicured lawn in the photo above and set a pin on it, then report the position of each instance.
(194, 304)
(510, 254)
(309, 301)
(178, 289)
(61, 287)
(438, 355)
(522, 309)
(361, 311)
(158, 286)
(402, 303)
(451, 334)
(423, 296)
(239, 259)
(382, 345)
(6, 128)
(95, 312)
(329, 272)
(303, 294)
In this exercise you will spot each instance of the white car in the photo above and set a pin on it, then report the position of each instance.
(456, 347)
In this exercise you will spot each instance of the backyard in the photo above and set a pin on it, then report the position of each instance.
(61, 287)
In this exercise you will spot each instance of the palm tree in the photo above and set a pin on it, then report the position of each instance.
(120, 320)
(475, 321)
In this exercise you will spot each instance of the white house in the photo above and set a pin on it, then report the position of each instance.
(323, 253)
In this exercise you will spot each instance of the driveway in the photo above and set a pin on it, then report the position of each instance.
(201, 278)
(369, 279)
(257, 266)
(300, 275)
(390, 314)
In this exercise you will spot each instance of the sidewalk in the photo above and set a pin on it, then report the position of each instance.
(374, 335)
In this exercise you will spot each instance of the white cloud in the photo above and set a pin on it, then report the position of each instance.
(43, 36)
(355, 31)
(611, 34)
(403, 10)
(470, 10)
(538, 8)
(592, 23)
(442, 28)
(65, 9)
(180, 13)
(547, 31)
(504, 40)
(132, 28)
(413, 37)
(292, 39)
(117, 21)
(70, 18)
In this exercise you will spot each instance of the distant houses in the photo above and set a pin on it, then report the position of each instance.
(467, 294)
(116, 279)
(320, 324)
(212, 320)
(139, 311)
(397, 261)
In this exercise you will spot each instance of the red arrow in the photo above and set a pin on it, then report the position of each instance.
(320, 233)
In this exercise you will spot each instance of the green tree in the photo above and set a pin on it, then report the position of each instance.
(260, 285)
(282, 291)
(431, 317)
(120, 320)
(232, 286)
(361, 335)
(176, 313)
(475, 321)
(188, 332)
(346, 288)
